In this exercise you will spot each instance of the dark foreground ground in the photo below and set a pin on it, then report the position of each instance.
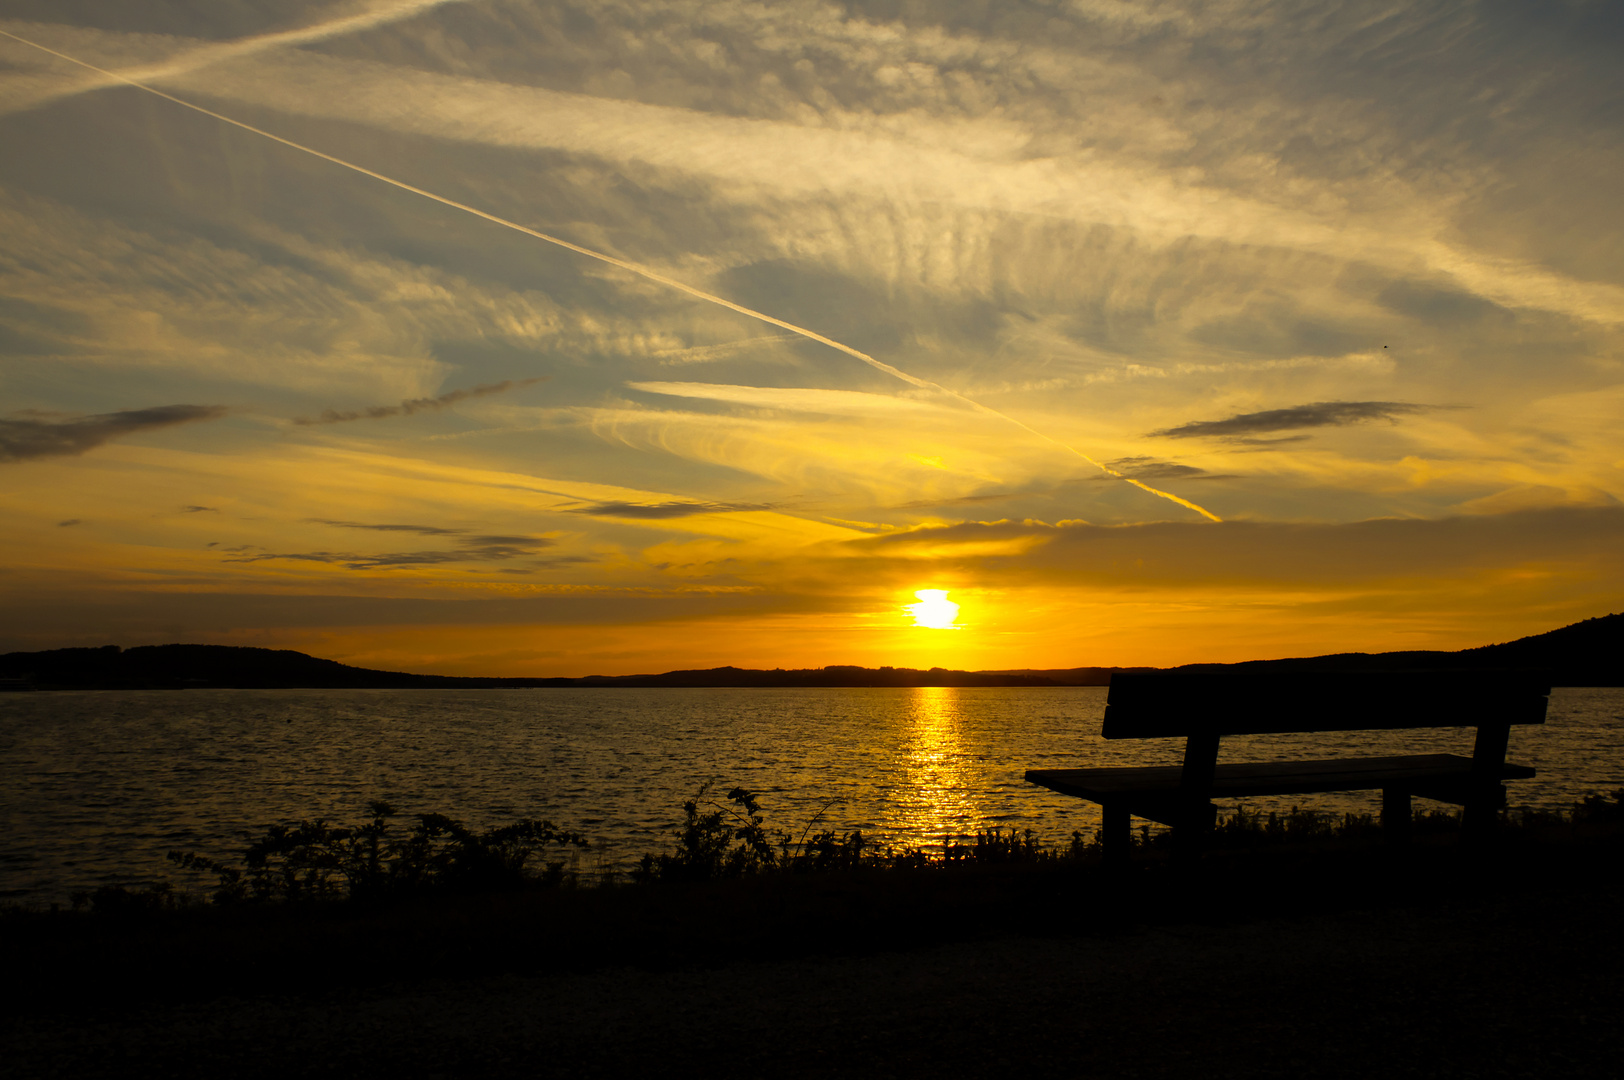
(1293, 964)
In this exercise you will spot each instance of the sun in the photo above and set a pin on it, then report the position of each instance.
(934, 610)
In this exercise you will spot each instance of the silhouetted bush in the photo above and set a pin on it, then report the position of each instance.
(1600, 808)
(717, 841)
(122, 900)
(312, 860)
(705, 842)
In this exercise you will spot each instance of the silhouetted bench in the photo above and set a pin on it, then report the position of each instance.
(1203, 708)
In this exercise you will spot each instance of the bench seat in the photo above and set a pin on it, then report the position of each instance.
(1154, 791)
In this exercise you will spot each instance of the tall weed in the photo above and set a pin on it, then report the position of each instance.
(312, 860)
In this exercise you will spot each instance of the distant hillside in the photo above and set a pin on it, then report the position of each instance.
(1589, 653)
(180, 666)
(168, 667)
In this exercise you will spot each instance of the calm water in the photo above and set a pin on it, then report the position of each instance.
(96, 787)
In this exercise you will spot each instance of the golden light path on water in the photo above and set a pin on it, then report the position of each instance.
(934, 795)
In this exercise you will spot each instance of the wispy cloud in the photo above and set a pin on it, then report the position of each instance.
(962, 500)
(420, 530)
(1142, 467)
(796, 399)
(416, 405)
(937, 155)
(727, 350)
(471, 547)
(664, 510)
(25, 437)
(191, 57)
(476, 549)
(1314, 415)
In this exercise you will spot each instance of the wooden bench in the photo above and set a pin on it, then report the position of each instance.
(1203, 708)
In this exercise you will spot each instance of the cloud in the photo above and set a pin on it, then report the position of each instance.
(202, 56)
(421, 530)
(705, 354)
(1316, 414)
(1571, 541)
(1142, 467)
(70, 521)
(793, 398)
(964, 500)
(199, 510)
(665, 510)
(416, 405)
(1182, 175)
(25, 437)
(264, 308)
(477, 549)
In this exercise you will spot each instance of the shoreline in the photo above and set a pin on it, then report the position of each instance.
(1586, 653)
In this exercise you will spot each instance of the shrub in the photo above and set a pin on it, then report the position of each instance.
(312, 860)
(729, 841)
(705, 842)
(122, 900)
(1600, 808)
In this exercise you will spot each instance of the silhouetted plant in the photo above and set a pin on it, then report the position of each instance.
(1527, 817)
(123, 900)
(721, 841)
(830, 850)
(1599, 808)
(993, 846)
(705, 842)
(312, 860)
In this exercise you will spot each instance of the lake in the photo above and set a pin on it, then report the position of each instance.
(98, 786)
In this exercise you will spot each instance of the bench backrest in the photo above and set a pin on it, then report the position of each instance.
(1169, 704)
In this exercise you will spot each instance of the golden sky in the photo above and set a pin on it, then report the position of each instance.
(1150, 332)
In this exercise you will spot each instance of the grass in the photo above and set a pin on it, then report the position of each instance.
(310, 907)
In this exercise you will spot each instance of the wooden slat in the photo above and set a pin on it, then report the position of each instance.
(1169, 705)
(1160, 783)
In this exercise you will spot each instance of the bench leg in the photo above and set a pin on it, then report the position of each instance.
(1396, 816)
(1117, 834)
(1486, 795)
(1195, 826)
(1482, 812)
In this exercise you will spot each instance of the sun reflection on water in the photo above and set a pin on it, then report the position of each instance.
(932, 795)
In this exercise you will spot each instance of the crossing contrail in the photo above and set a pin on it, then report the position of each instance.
(642, 271)
(207, 55)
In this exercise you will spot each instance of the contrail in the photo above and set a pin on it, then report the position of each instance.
(642, 271)
(231, 50)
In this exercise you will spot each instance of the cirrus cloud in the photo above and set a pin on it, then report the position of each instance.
(416, 405)
(26, 436)
(1315, 414)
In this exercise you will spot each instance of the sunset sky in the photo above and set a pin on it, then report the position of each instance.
(1173, 331)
